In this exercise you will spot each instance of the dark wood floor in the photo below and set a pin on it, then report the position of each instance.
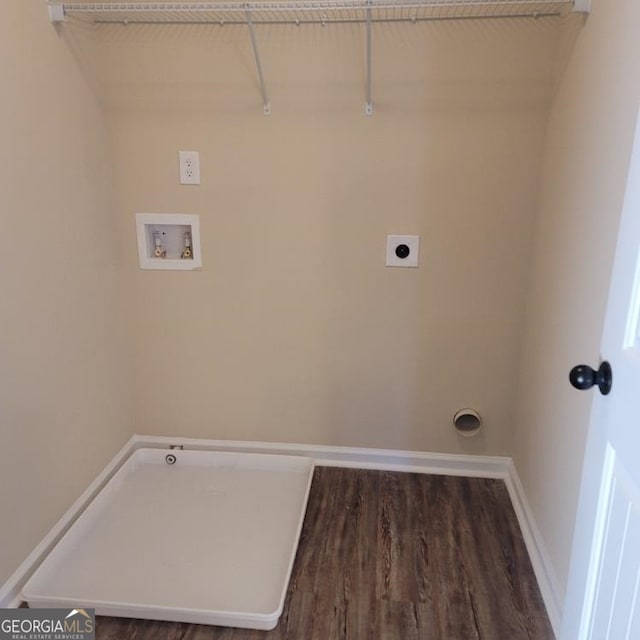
(394, 556)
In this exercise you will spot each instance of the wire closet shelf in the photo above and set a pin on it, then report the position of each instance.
(300, 12)
(307, 11)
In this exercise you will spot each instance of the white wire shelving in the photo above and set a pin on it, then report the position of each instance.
(309, 11)
(301, 12)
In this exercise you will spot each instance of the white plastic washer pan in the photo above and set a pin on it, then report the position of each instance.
(210, 539)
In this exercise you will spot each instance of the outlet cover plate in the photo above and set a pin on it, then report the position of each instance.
(413, 244)
(189, 167)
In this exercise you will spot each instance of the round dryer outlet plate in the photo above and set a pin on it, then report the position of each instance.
(402, 251)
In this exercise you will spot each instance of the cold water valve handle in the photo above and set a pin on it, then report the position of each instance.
(583, 377)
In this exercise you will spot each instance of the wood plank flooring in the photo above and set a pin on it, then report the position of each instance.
(394, 556)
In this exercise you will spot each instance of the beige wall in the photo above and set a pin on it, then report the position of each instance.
(64, 400)
(294, 330)
(586, 158)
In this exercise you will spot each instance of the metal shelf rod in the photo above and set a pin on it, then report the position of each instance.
(329, 20)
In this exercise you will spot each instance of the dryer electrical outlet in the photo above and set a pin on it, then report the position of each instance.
(402, 251)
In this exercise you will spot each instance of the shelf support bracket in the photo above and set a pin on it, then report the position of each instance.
(266, 105)
(368, 107)
(582, 6)
(56, 13)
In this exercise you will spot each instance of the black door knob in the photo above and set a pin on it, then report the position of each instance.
(584, 377)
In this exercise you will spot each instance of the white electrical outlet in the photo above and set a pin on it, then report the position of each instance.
(189, 167)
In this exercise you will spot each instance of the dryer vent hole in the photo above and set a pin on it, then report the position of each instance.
(467, 422)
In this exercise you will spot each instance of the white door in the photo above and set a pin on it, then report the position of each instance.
(603, 598)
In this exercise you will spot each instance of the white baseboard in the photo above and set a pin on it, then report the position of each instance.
(353, 457)
(499, 467)
(545, 574)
